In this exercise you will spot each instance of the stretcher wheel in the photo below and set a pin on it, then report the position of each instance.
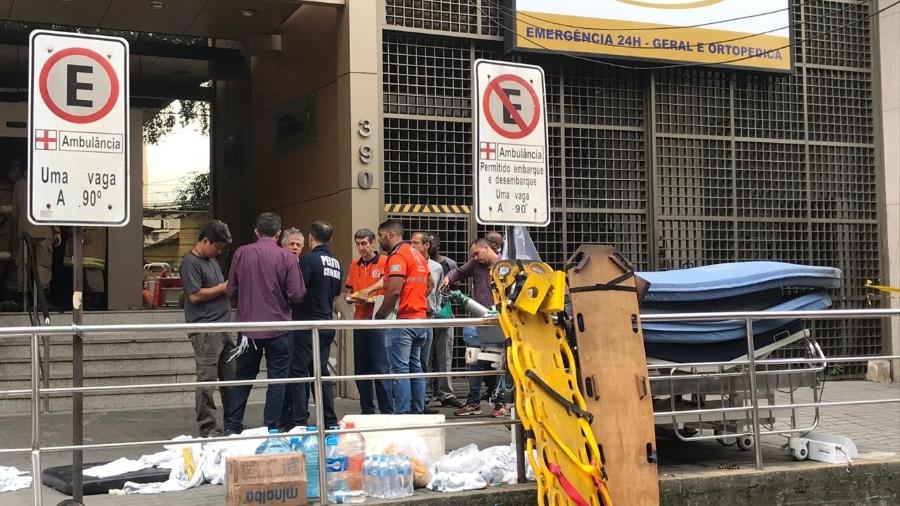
(745, 442)
(731, 441)
(801, 454)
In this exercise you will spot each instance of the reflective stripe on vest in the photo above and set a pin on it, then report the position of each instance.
(89, 262)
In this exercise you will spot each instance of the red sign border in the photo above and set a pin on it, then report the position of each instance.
(74, 118)
(491, 88)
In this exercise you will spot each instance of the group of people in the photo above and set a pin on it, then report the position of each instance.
(270, 281)
(16, 231)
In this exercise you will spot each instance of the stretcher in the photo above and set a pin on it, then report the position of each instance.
(560, 443)
(697, 389)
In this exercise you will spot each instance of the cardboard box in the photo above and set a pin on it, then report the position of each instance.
(273, 479)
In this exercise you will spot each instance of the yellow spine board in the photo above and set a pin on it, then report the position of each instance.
(568, 465)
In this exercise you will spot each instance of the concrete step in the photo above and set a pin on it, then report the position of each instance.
(113, 359)
(61, 348)
(98, 318)
(122, 363)
(119, 400)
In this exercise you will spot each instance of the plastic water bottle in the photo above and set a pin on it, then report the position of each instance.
(367, 482)
(310, 445)
(336, 468)
(273, 444)
(349, 497)
(406, 477)
(381, 470)
(371, 476)
(394, 469)
(353, 445)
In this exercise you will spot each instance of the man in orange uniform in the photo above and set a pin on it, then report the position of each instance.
(408, 283)
(369, 347)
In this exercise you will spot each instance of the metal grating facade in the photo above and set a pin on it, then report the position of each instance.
(675, 168)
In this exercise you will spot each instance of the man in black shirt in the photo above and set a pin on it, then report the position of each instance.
(322, 273)
(205, 301)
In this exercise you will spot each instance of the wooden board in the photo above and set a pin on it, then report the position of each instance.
(613, 374)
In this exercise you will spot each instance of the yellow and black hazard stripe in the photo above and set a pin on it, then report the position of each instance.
(427, 209)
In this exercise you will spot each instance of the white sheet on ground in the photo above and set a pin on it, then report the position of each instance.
(456, 482)
(469, 469)
(12, 479)
(196, 463)
(116, 468)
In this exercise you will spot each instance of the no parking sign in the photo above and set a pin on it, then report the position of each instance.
(512, 183)
(78, 156)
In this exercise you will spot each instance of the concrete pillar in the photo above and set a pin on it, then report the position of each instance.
(888, 100)
(360, 172)
(360, 123)
(126, 244)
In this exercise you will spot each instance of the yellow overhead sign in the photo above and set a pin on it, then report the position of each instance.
(732, 33)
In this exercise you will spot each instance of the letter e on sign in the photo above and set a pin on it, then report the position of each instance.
(78, 130)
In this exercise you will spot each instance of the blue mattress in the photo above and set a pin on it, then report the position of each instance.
(728, 330)
(734, 279)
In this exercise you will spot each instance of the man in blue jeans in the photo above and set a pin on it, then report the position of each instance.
(483, 258)
(322, 273)
(265, 280)
(408, 283)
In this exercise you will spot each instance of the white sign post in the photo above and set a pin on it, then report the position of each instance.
(78, 156)
(512, 183)
(78, 160)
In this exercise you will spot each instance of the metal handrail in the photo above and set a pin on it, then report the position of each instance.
(38, 307)
(38, 392)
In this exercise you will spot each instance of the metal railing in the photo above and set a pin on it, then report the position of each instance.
(38, 392)
(34, 302)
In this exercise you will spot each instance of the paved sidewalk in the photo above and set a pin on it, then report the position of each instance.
(874, 428)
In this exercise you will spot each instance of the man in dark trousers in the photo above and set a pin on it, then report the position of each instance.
(322, 274)
(369, 348)
(266, 282)
(205, 301)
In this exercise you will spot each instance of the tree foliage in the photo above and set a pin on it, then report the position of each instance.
(193, 194)
(186, 112)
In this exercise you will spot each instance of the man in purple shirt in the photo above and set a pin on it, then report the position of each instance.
(484, 256)
(265, 279)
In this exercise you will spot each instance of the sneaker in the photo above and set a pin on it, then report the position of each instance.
(452, 402)
(213, 433)
(468, 410)
(499, 411)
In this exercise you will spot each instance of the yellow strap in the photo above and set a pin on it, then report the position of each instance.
(882, 288)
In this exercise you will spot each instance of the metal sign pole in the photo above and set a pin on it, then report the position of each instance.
(521, 454)
(77, 360)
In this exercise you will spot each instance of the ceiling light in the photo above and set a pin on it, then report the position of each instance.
(248, 13)
(157, 4)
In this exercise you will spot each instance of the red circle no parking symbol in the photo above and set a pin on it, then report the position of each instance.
(519, 119)
(96, 61)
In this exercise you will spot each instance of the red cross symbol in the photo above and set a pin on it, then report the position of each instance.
(488, 150)
(45, 137)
